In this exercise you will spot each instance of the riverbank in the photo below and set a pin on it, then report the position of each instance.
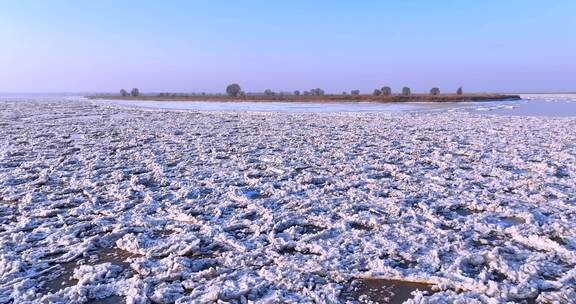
(319, 99)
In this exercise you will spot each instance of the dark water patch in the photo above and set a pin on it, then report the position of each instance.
(455, 212)
(309, 229)
(114, 256)
(380, 175)
(446, 227)
(54, 255)
(382, 291)
(64, 279)
(290, 250)
(318, 181)
(472, 270)
(562, 172)
(463, 211)
(109, 300)
(497, 276)
(301, 167)
(360, 226)
(251, 215)
(560, 240)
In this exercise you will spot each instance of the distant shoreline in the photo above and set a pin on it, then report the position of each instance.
(317, 99)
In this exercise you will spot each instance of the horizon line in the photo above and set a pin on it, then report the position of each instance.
(280, 91)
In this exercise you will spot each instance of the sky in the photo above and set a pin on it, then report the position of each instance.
(201, 46)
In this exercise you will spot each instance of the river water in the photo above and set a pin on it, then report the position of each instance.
(553, 105)
(546, 105)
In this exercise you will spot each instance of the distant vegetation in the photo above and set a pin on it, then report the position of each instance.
(406, 91)
(317, 92)
(379, 94)
(233, 90)
(134, 93)
(386, 91)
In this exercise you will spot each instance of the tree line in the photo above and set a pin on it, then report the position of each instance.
(234, 90)
(134, 93)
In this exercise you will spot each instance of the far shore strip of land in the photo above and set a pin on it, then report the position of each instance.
(318, 99)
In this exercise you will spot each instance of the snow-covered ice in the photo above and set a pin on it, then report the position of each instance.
(197, 207)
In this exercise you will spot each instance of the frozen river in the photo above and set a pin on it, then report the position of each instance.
(531, 105)
(100, 202)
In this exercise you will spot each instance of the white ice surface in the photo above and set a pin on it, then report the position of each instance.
(282, 207)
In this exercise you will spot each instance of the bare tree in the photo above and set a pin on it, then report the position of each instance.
(135, 92)
(386, 91)
(460, 91)
(242, 94)
(123, 93)
(355, 92)
(268, 92)
(435, 91)
(377, 92)
(406, 91)
(306, 93)
(297, 93)
(233, 90)
(344, 93)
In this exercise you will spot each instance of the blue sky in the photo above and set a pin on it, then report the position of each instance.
(185, 46)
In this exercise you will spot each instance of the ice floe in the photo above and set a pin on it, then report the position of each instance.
(102, 203)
